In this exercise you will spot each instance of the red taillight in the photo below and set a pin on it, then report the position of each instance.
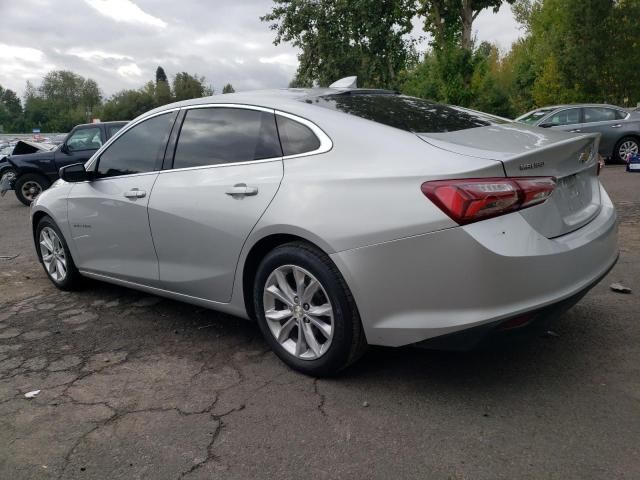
(470, 200)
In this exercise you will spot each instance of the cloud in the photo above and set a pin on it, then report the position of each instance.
(285, 59)
(130, 70)
(120, 43)
(126, 11)
(24, 62)
(96, 55)
(500, 28)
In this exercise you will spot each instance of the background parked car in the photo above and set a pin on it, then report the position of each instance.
(619, 128)
(35, 172)
(21, 147)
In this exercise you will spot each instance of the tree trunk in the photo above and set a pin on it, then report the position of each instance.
(467, 24)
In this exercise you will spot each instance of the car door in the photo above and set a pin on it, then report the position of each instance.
(226, 170)
(568, 120)
(108, 215)
(608, 123)
(81, 144)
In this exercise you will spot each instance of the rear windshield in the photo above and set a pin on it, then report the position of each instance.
(406, 113)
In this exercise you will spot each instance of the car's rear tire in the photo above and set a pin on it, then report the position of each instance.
(625, 146)
(55, 256)
(29, 186)
(306, 311)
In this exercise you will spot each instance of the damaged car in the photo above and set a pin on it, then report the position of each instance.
(35, 171)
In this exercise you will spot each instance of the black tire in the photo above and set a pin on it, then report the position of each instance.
(7, 171)
(39, 182)
(348, 342)
(72, 279)
(623, 140)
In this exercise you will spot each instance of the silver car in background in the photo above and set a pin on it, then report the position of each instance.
(619, 128)
(337, 218)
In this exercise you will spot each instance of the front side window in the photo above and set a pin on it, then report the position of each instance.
(218, 135)
(565, 117)
(85, 139)
(599, 114)
(295, 137)
(139, 149)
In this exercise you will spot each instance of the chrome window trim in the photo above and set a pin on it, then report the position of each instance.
(90, 163)
(326, 143)
(219, 165)
(228, 105)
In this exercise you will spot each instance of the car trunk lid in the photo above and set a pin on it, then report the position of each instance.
(533, 152)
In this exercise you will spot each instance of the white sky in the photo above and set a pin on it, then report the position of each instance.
(119, 43)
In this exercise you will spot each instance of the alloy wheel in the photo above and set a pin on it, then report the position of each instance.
(298, 312)
(626, 148)
(53, 256)
(31, 189)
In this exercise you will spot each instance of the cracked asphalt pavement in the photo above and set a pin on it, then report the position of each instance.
(133, 386)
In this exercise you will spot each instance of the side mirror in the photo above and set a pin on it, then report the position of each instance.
(74, 173)
(64, 149)
(546, 125)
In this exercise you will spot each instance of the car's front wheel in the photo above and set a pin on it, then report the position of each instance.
(624, 147)
(55, 256)
(29, 186)
(306, 311)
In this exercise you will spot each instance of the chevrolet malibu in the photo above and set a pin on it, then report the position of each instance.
(337, 218)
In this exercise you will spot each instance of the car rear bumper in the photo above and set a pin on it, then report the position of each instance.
(520, 327)
(426, 286)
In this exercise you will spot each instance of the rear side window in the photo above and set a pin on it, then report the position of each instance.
(620, 115)
(599, 114)
(406, 113)
(295, 137)
(213, 136)
(138, 150)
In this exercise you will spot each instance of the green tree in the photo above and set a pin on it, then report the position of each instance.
(339, 38)
(187, 86)
(11, 118)
(162, 90)
(228, 88)
(582, 50)
(63, 100)
(128, 104)
(451, 21)
(160, 75)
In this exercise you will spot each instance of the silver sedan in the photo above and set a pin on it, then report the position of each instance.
(337, 218)
(619, 129)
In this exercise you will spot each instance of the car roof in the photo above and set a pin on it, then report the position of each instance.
(113, 122)
(578, 105)
(275, 98)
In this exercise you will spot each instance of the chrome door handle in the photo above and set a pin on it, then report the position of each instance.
(577, 130)
(135, 193)
(242, 190)
(619, 125)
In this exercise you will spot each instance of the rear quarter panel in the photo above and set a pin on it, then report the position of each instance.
(366, 189)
